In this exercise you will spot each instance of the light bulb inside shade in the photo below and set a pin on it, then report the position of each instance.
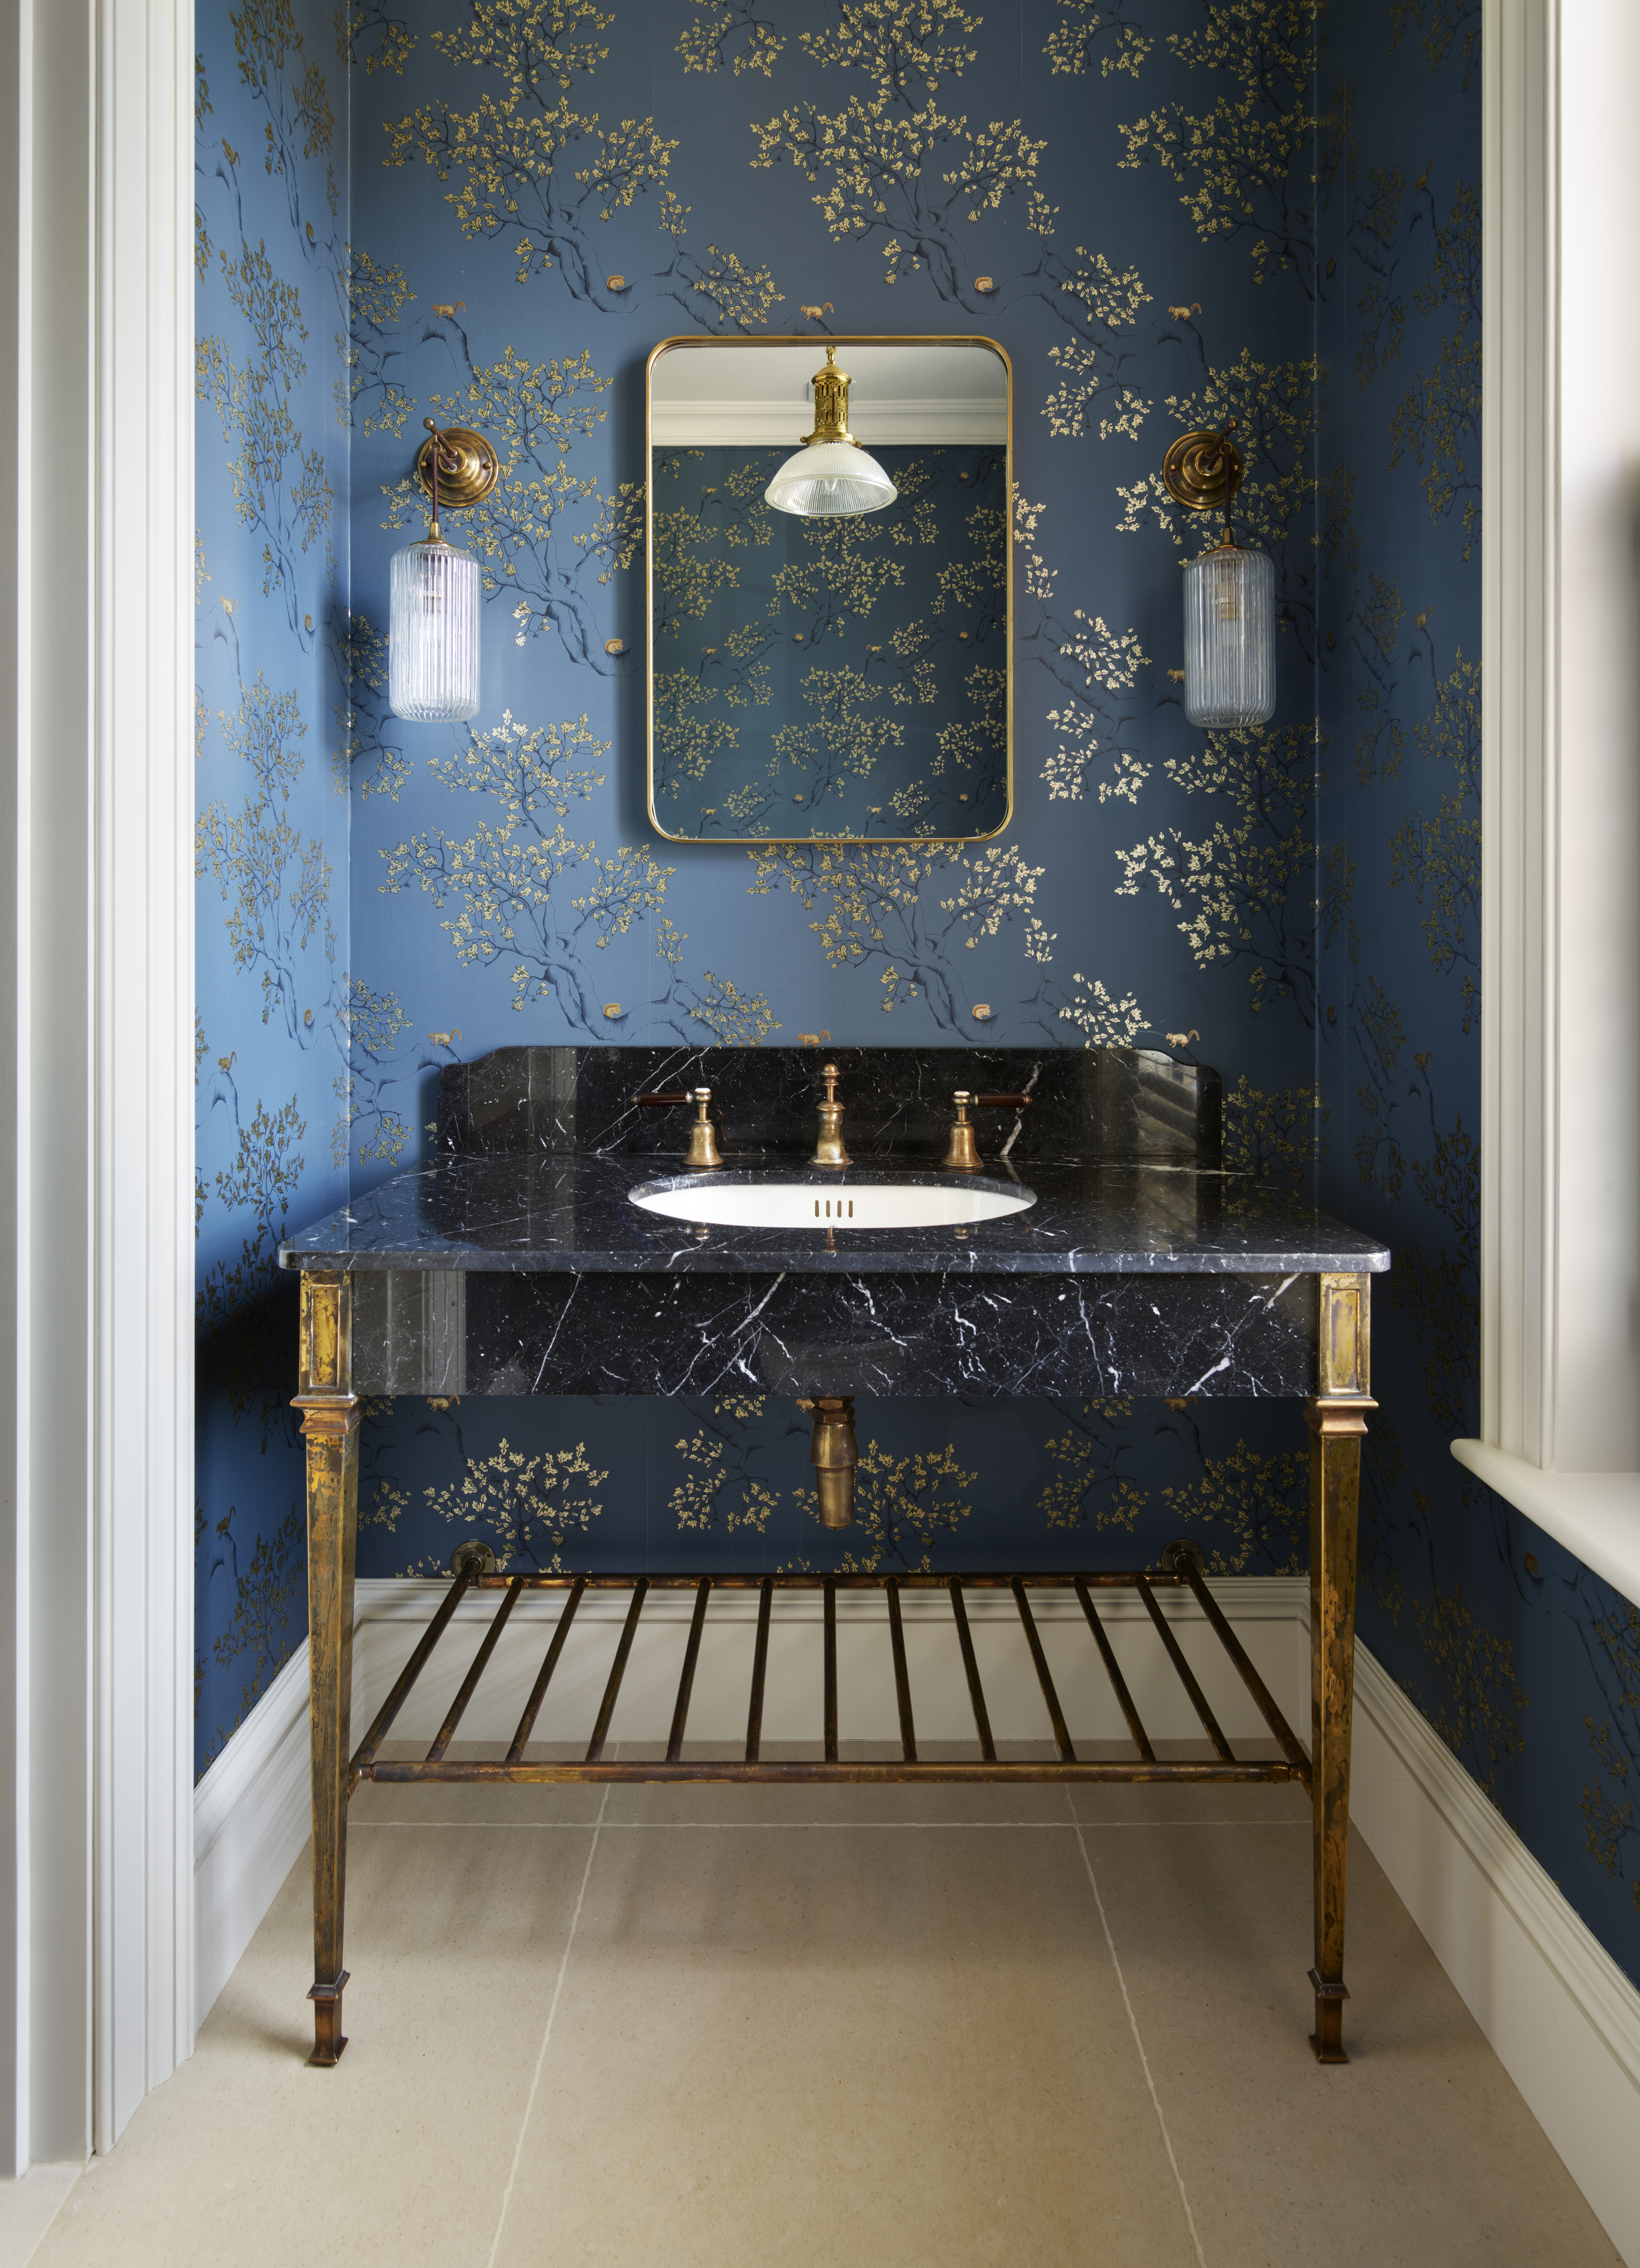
(432, 635)
(828, 479)
(1230, 638)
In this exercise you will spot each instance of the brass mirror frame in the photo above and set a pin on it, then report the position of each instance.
(820, 340)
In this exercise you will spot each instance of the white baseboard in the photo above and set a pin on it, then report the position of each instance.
(1563, 2018)
(251, 1818)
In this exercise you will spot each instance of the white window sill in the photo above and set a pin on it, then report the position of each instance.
(1595, 1515)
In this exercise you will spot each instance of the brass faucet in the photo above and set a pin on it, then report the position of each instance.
(703, 1155)
(962, 1151)
(828, 1150)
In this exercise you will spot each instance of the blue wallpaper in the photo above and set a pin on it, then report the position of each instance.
(271, 842)
(1525, 1663)
(1153, 210)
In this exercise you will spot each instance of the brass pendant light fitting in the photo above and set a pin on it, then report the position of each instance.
(831, 405)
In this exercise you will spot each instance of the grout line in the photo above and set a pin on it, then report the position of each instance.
(557, 1990)
(1144, 2061)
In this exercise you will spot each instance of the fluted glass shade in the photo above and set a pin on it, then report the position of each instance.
(1230, 638)
(433, 638)
(827, 479)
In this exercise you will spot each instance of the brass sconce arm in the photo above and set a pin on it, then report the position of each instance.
(1202, 471)
(461, 462)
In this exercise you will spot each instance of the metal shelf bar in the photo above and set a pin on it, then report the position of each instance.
(760, 1664)
(1119, 1683)
(1055, 1714)
(977, 1694)
(831, 1673)
(606, 1706)
(366, 1749)
(543, 1679)
(1198, 1699)
(480, 1663)
(1250, 1678)
(902, 1683)
(686, 1683)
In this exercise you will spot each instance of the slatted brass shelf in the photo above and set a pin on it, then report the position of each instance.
(985, 1765)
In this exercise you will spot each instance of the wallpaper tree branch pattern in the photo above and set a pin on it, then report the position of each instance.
(1168, 212)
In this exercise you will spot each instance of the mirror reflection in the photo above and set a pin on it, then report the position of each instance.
(829, 589)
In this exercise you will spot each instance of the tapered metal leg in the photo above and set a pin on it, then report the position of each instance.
(330, 1420)
(1337, 1421)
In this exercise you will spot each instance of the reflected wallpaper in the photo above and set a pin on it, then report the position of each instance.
(1170, 212)
(815, 677)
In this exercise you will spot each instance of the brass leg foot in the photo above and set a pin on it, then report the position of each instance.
(328, 2036)
(1327, 2038)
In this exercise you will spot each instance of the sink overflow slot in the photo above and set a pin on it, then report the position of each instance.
(840, 1211)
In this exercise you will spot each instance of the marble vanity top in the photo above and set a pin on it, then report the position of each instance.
(554, 1213)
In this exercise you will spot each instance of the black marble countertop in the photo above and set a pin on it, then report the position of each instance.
(558, 1214)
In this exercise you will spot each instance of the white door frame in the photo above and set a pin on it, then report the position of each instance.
(96, 1128)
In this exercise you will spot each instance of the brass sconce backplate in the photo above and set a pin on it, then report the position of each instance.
(1193, 470)
(467, 466)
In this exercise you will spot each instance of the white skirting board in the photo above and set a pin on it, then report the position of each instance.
(1562, 2016)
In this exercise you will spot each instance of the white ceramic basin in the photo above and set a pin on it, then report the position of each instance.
(801, 1205)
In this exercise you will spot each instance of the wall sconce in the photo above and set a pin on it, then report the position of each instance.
(831, 475)
(1229, 594)
(432, 631)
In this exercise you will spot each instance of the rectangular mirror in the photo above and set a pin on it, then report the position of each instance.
(838, 667)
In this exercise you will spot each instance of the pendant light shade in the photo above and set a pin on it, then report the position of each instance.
(1230, 638)
(432, 650)
(831, 476)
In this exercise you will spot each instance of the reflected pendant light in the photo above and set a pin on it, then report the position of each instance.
(1229, 596)
(432, 640)
(831, 476)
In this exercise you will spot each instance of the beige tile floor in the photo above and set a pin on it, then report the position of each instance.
(734, 2026)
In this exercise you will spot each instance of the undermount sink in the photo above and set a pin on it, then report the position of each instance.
(776, 1203)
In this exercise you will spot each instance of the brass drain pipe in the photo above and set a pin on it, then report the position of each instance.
(832, 1453)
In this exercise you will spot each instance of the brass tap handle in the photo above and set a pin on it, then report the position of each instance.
(828, 1150)
(703, 1155)
(962, 1151)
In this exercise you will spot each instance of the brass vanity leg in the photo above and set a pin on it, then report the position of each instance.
(330, 1421)
(1337, 1418)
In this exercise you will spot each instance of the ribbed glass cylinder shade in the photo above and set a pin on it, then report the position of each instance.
(1230, 638)
(828, 480)
(432, 637)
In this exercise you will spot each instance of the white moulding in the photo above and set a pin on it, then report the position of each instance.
(1595, 1515)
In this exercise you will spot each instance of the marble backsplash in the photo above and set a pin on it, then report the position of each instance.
(1105, 1103)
